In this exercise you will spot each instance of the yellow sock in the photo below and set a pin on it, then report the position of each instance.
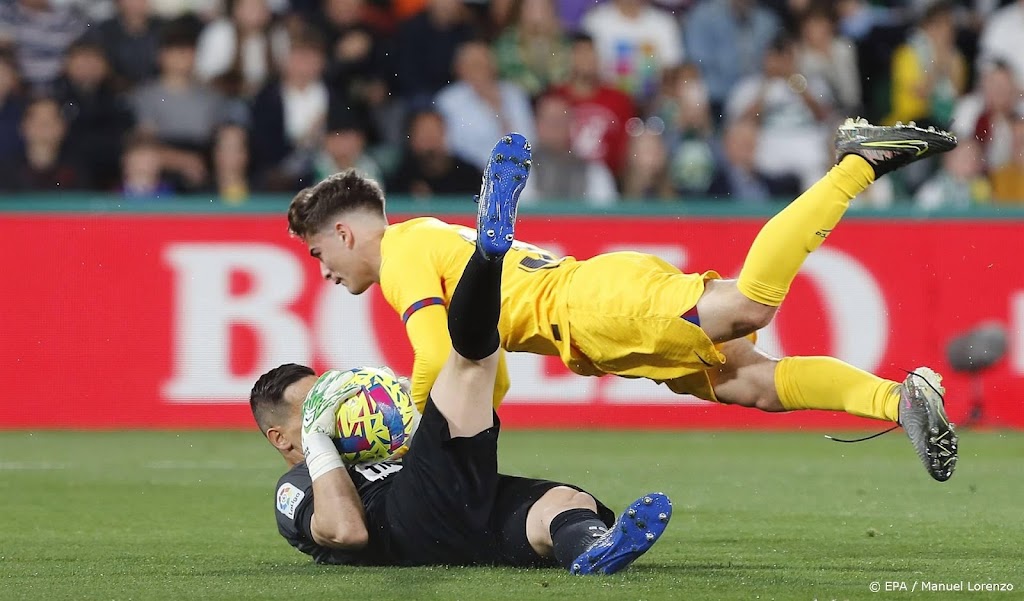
(829, 384)
(785, 241)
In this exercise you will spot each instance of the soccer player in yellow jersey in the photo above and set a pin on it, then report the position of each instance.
(632, 314)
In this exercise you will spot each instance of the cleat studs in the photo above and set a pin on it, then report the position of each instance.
(912, 124)
(641, 525)
(631, 513)
(663, 517)
(476, 198)
(648, 500)
(576, 567)
(527, 146)
(490, 233)
(527, 163)
(509, 237)
(506, 140)
(650, 536)
(498, 158)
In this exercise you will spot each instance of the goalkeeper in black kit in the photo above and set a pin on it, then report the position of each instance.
(445, 502)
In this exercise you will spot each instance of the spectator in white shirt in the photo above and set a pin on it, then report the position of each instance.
(478, 108)
(239, 52)
(793, 111)
(289, 115)
(635, 42)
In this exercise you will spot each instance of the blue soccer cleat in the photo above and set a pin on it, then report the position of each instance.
(503, 182)
(636, 531)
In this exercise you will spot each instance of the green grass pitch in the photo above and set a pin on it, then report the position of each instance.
(189, 515)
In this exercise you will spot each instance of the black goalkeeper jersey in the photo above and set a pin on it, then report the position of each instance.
(294, 510)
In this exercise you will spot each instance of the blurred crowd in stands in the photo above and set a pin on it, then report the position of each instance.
(624, 100)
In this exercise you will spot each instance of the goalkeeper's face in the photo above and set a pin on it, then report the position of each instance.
(287, 435)
(343, 257)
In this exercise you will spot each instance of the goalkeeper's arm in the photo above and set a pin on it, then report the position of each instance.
(339, 520)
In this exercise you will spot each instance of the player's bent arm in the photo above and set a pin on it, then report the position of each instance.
(428, 333)
(339, 520)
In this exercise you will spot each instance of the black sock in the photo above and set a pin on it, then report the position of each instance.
(475, 308)
(572, 532)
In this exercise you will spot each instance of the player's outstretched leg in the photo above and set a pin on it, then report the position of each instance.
(632, 535)
(503, 182)
(865, 153)
(751, 378)
(464, 388)
(825, 383)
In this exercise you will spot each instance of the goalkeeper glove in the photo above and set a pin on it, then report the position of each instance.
(320, 422)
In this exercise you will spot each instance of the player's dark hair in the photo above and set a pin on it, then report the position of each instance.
(313, 207)
(267, 394)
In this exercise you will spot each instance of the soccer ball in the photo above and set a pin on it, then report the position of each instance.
(378, 421)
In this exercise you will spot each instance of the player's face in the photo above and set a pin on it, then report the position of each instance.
(337, 251)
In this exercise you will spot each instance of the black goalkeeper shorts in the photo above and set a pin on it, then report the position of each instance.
(450, 506)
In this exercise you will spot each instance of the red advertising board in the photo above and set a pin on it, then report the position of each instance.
(146, 321)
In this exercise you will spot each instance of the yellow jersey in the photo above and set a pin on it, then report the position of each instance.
(421, 263)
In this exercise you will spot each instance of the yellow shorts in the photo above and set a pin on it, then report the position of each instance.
(625, 316)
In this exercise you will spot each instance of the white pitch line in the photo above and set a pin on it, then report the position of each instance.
(32, 466)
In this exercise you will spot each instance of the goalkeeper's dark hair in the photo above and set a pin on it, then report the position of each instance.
(267, 396)
(313, 207)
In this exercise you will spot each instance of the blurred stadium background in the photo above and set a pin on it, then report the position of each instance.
(149, 148)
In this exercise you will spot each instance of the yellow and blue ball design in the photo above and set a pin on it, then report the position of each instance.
(377, 422)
